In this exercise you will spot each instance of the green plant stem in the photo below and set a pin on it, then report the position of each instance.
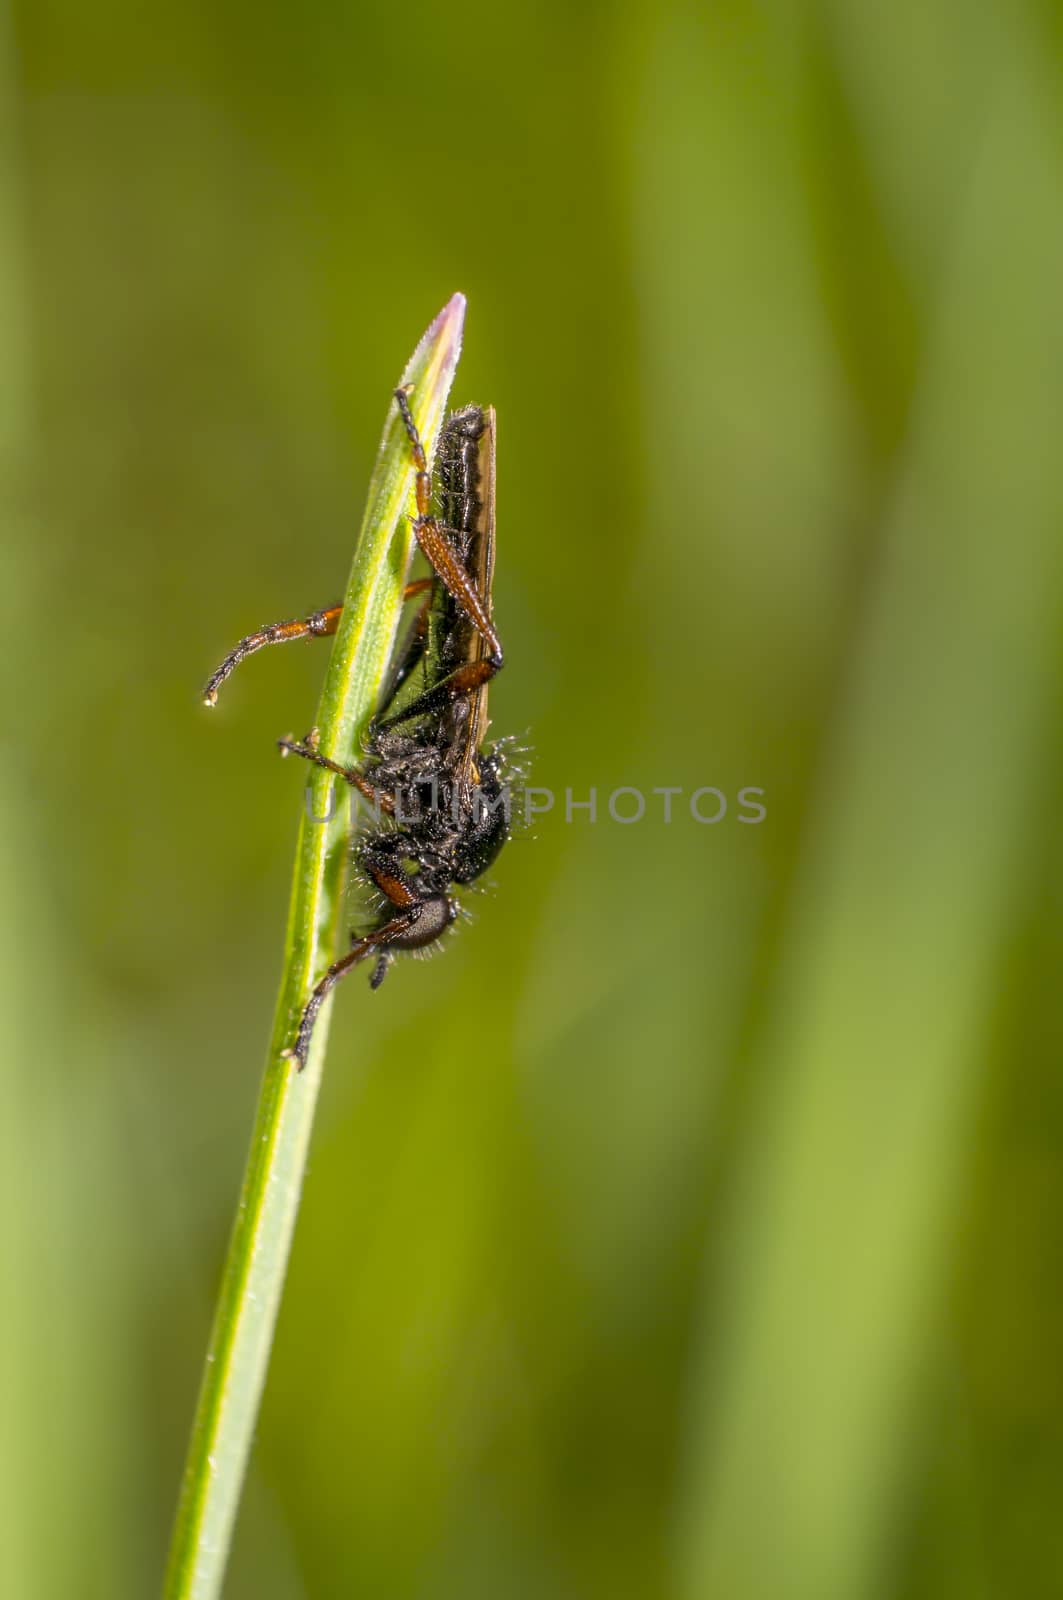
(258, 1251)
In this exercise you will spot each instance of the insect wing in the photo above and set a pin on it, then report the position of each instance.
(482, 571)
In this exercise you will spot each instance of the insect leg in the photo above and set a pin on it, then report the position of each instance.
(309, 752)
(464, 680)
(443, 559)
(358, 952)
(318, 625)
(439, 549)
(393, 882)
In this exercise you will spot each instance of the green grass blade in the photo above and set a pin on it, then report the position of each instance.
(258, 1252)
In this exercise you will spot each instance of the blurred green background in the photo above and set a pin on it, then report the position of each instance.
(694, 1228)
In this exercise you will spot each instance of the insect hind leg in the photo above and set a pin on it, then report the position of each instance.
(318, 625)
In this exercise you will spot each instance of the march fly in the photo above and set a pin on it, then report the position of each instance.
(438, 793)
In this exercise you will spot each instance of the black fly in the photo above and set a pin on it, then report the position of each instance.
(440, 795)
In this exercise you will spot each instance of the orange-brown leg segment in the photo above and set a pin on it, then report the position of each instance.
(418, 586)
(439, 551)
(318, 625)
(462, 681)
(443, 560)
(392, 882)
